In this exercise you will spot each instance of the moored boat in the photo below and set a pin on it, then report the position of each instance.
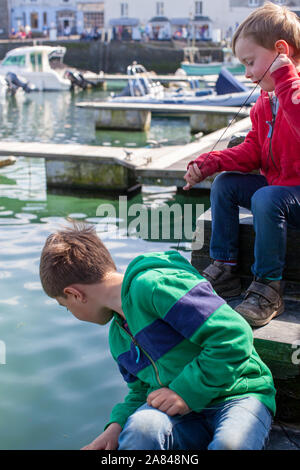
(34, 63)
(228, 91)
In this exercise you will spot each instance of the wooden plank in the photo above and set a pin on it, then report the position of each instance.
(163, 108)
(182, 154)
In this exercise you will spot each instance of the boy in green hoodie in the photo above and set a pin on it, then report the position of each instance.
(195, 380)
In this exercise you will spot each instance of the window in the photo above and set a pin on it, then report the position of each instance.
(281, 2)
(34, 20)
(253, 3)
(198, 8)
(36, 62)
(45, 18)
(124, 9)
(160, 8)
(18, 60)
(93, 19)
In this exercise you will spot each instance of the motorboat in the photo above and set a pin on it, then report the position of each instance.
(34, 64)
(209, 67)
(43, 67)
(227, 91)
(212, 68)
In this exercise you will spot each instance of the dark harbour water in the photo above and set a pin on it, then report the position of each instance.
(59, 382)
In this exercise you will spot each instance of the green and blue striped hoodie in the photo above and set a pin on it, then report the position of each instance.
(181, 335)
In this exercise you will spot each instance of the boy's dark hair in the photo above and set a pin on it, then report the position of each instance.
(73, 255)
(268, 24)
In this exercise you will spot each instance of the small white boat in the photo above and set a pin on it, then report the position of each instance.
(33, 63)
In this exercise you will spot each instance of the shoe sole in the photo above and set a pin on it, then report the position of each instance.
(263, 322)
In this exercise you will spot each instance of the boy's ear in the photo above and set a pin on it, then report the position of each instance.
(74, 293)
(282, 47)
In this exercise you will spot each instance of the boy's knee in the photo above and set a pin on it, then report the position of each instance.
(145, 429)
(266, 200)
(230, 442)
(223, 181)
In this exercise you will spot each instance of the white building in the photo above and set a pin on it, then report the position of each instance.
(166, 17)
(206, 19)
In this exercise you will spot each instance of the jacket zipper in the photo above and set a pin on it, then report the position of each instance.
(271, 131)
(136, 344)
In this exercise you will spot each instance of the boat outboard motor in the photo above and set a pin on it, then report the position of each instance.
(77, 79)
(14, 82)
(227, 83)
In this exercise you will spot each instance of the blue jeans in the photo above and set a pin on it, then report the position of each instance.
(273, 208)
(238, 424)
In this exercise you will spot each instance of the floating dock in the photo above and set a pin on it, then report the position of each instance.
(137, 116)
(119, 169)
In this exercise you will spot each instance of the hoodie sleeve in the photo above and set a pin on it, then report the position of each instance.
(224, 339)
(287, 88)
(135, 398)
(245, 157)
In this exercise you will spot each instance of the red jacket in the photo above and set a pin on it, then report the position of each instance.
(276, 154)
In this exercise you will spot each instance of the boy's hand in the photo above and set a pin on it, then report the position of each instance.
(281, 60)
(192, 176)
(108, 440)
(168, 401)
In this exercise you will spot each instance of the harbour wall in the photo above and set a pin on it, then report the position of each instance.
(114, 57)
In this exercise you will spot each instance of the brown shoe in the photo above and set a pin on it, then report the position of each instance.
(224, 279)
(263, 301)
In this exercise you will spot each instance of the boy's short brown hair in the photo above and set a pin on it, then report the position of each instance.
(268, 24)
(73, 255)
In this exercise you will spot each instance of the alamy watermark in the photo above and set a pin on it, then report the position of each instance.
(296, 353)
(155, 222)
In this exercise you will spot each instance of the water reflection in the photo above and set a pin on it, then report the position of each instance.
(54, 117)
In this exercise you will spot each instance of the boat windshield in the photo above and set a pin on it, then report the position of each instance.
(36, 62)
(17, 60)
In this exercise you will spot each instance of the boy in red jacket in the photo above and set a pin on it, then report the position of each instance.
(268, 40)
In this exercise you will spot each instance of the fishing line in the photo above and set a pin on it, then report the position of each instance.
(233, 119)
